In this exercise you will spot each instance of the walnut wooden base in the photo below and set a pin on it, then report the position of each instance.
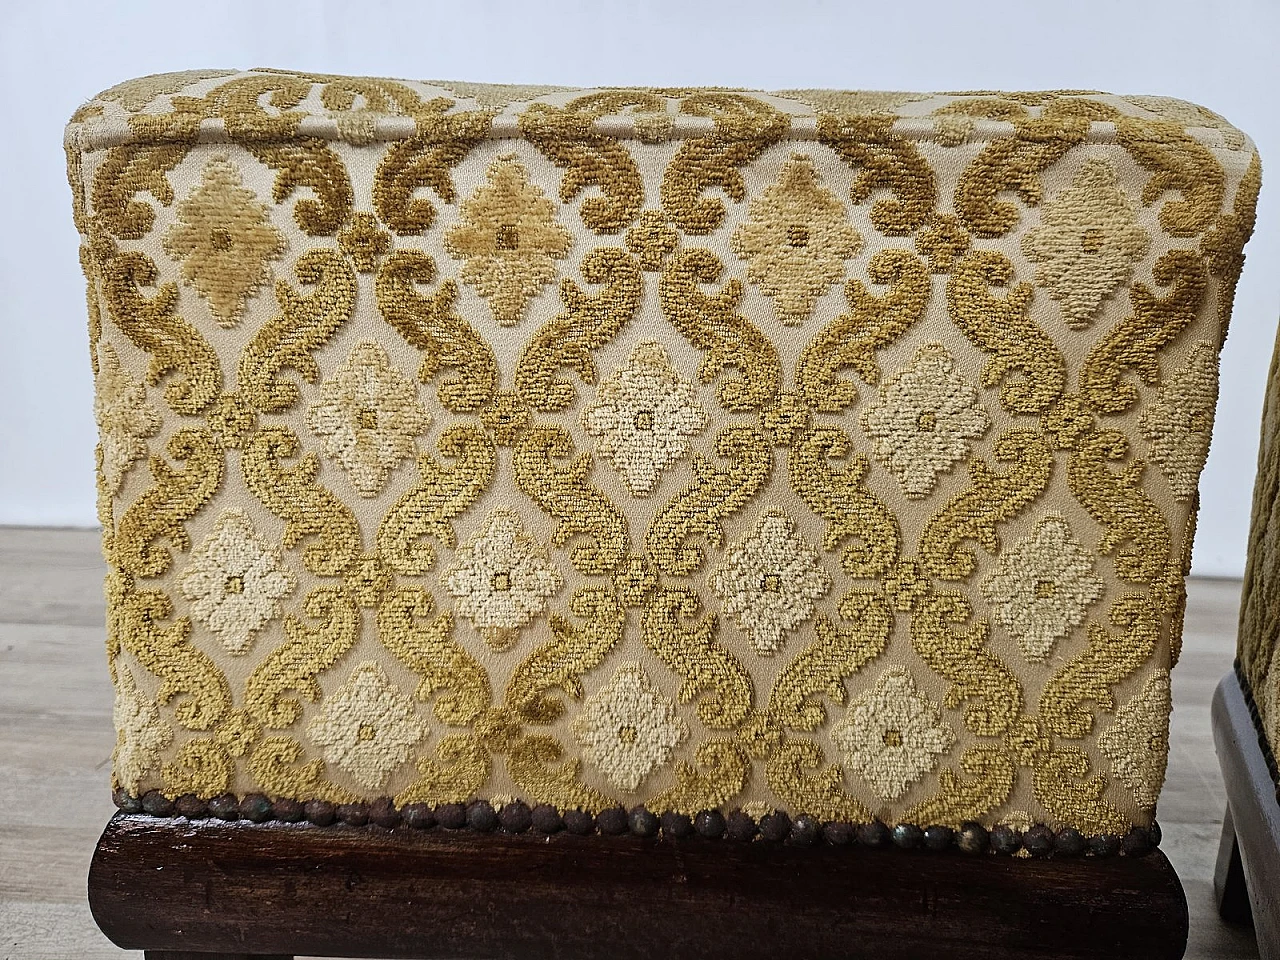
(178, 888)
(1248, 873)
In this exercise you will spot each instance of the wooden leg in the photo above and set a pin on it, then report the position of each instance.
(1253, 817)
(192, 955)
(1229, 887)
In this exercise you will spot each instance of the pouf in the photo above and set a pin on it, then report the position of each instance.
(804, 465)
(1246, 710)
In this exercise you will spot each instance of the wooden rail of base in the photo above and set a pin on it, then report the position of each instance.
(181, 890)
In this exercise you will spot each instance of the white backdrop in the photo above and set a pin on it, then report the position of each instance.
(1224, 54)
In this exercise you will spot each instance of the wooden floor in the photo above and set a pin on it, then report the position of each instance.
(56, 741)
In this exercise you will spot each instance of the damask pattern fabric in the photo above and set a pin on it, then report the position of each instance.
(819, 451)
(1259, 636)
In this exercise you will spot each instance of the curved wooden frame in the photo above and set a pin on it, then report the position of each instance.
(1248, 869)
(186, 889)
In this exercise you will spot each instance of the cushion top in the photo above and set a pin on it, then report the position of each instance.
(365, 109)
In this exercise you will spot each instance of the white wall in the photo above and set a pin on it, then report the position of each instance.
(1222, 53)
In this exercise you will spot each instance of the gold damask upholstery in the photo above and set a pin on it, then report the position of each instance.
(696, 449)
(1257, 664)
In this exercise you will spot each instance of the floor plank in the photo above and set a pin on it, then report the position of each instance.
(56, 742)
(51, 576)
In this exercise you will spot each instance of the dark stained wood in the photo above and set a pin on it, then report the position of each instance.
(170, 884)
(188, 955)
(1229, 887)
(1253, 811)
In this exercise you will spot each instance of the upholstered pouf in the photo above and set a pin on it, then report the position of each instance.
(1246, 711)
(758, 475)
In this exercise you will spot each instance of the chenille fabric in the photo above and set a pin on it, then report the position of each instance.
(832, 452)
(1257, 663)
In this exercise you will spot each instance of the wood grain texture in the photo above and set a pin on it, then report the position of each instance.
(51, 576)
(1254, 813)
(280, 888)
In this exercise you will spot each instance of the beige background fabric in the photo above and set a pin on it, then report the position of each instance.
(1025, 803)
